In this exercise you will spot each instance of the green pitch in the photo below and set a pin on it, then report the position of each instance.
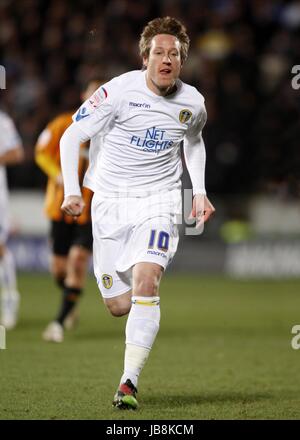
(223, 352)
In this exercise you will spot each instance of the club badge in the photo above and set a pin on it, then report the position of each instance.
(185, 115)
(107, 281)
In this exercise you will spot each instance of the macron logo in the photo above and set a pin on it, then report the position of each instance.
(138, 104)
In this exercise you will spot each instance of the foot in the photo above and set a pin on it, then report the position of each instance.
(10, 307)
(125, 397)
(54, 332)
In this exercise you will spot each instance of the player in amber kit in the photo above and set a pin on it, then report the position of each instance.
(71, 238)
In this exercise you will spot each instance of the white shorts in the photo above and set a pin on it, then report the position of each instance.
(131, 230)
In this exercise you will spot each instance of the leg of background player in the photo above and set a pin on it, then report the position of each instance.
(74, 267)
(58, 267)
(77, 264)
(10, 297)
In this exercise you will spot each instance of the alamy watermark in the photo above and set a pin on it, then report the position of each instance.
(296, 79)
(161, 207)
(295, 342)
(2, 338)
(2, 77)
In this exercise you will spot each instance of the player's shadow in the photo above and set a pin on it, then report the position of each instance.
(201, 399)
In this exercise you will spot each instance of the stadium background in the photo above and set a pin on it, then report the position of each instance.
(241, 276)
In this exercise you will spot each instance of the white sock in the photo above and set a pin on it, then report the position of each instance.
(8, 271)
(10, 295)
(141, 330)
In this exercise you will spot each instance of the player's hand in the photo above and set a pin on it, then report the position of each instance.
(73, 205)
(202, 209)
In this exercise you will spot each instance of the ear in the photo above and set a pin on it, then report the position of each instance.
(145, 61)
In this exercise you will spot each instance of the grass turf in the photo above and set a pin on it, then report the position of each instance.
(223, 352)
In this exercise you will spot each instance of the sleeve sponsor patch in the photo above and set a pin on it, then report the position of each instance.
(98, 97)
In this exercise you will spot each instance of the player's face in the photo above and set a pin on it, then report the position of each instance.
(163, 63)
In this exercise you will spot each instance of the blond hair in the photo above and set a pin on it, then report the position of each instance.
(164, 25)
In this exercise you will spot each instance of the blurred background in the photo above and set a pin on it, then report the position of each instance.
(241, 57)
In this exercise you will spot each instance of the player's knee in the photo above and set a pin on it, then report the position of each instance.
(117, 308)
(118, 311)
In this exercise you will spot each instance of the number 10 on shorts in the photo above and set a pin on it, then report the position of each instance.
(160, 239)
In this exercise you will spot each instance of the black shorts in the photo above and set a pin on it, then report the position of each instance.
(64, 235)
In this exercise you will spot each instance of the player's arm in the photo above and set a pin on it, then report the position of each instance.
(195, 158)
(12, 156)
(92, 118)
(73, 203)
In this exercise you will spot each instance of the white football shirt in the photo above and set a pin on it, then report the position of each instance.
(142, 134)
